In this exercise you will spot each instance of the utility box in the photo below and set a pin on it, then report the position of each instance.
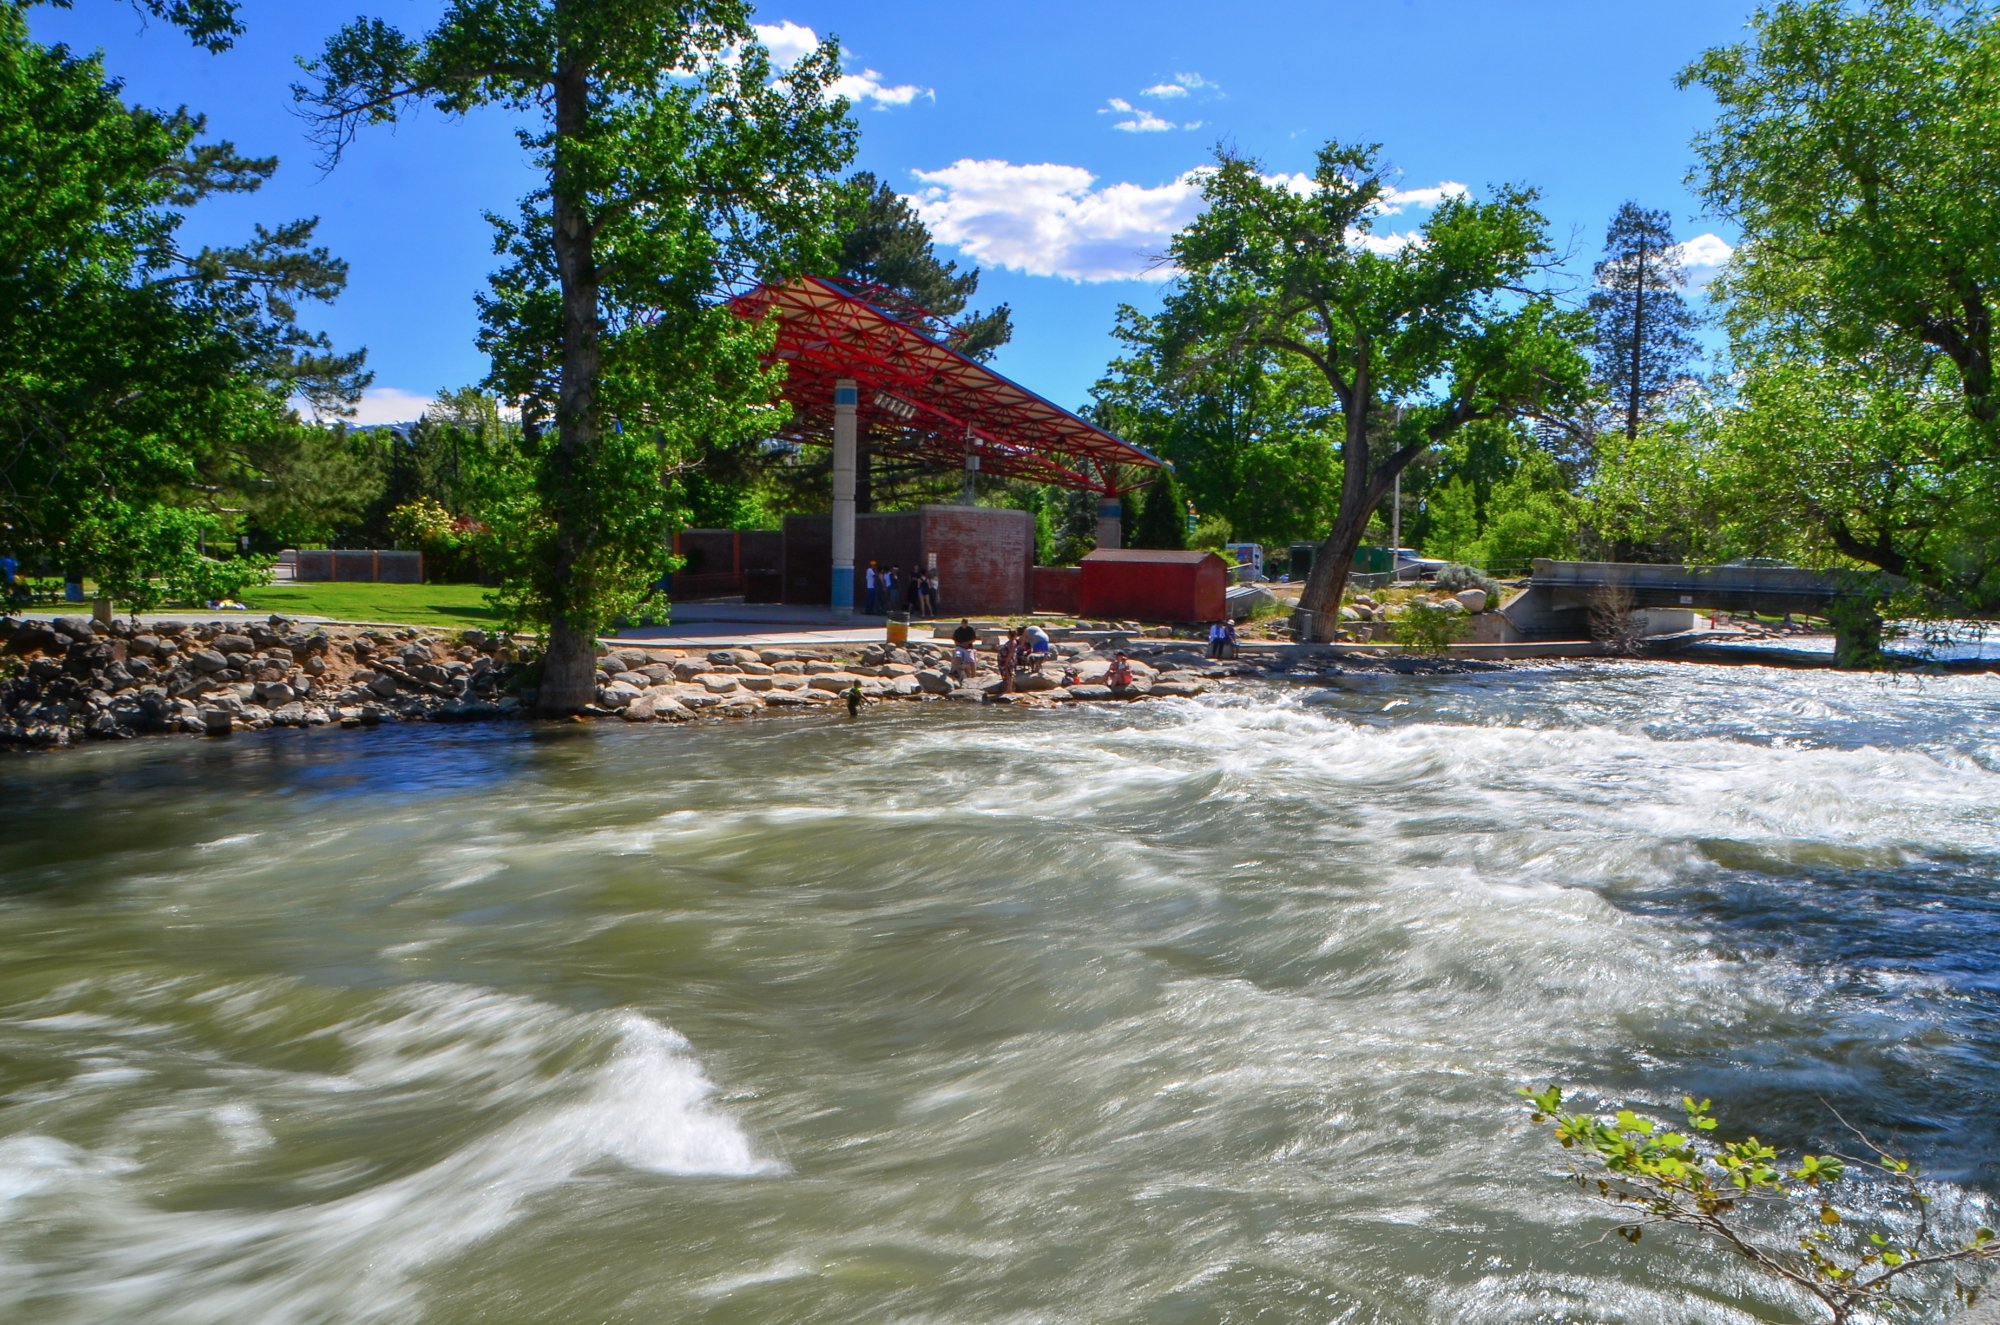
(1373, 560)
(1145, 584)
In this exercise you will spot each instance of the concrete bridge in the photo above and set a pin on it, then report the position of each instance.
(1558, 601)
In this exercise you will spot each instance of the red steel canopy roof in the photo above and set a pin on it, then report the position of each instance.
(922, 398)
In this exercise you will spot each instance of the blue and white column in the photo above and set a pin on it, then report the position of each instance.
(1110, 511)
(846, 397)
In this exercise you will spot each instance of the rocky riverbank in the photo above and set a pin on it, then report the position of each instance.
(70, 680)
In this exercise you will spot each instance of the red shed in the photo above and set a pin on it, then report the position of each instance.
(1142, 584)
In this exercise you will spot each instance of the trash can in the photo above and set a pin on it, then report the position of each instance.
(899, 628)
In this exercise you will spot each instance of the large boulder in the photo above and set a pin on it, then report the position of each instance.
(1472, 600)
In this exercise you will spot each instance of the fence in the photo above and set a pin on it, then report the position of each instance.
(360, 566)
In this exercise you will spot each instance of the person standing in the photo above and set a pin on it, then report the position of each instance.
(1010, 652)
(854, 700)
(1215, 640)
(874, 589)
(889, 578)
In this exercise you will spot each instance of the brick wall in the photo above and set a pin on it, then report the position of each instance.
(984, 557)
(1058, 589)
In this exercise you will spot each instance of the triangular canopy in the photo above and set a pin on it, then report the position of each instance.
(922, 398)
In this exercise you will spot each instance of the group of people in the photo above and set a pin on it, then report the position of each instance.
(1024, 648)
(1222, 639)
(891, 591)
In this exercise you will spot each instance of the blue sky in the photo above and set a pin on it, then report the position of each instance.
(1049, 143)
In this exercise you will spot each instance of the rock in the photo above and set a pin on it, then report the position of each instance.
(718, 685)
(787, 699)
(1350, 614)
(1035, 682)
(617, 695)
(315, 666)
(274, 694)
(687, 669)
(217, 721)
(903, 686)
(1451, 607)
(383, 685)
(820, 667)
(789, 667)
(642, 706)
(235, 644)
(1083, 693)
(761, 684)
(76, 627)
(657, 673)
(33, 637)
(968, 696)
(1178, 689)
(1472, 600)
(207, 661)
(832, 681)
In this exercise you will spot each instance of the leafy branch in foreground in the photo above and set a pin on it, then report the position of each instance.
(1777, 1214)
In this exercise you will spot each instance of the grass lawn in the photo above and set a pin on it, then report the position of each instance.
(436, 605)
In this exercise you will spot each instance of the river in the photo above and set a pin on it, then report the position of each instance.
(1189, 1011)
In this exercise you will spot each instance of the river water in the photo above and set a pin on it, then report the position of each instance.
(1191, 1011)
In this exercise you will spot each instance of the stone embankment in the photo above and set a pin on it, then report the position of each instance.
(70, 680)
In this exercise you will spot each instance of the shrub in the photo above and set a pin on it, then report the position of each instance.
(1426, 630)
(1455, 576)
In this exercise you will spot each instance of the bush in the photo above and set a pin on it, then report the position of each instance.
(1211, 533)
(1456, 576)
(1426, 630)
(451, 546)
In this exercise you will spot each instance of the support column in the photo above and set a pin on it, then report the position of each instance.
(1109, 532)
(846, 396)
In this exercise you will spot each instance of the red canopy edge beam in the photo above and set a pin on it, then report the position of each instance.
(827, 333)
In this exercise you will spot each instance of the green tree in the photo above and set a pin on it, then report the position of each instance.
(671, 155)
(1643, 323)
(1162, 521)
(1859, 150)
(136, 376)
(1243, 427)
(1446, 328)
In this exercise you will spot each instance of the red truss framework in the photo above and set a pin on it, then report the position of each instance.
(922, 399)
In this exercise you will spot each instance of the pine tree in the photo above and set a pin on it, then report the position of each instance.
(887, 249)
(1644, 324)
(1162, 521)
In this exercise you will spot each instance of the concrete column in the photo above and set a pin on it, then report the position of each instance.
(1109, 512)
(846, 396)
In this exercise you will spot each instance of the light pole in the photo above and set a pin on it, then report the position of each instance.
(1396, 516)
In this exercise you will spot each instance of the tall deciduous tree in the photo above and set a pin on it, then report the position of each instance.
(1644, 324)
(1244, 430)
(672, 158)
(1858, 147)
(137, 376)
(1414, 340)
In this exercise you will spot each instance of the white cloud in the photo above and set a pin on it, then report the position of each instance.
(1703, 251)
(791, 42)
(1118, 104)
(390, 404)
(1052, 220)
(1056, 220)
(1395, 200)
(1164, 90)
(787, 41)
(1193, 124)
(1144, 122)
(1182, 85)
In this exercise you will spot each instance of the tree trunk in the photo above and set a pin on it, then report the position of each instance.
(1360, 494)
(569, 667)
(1320, 603)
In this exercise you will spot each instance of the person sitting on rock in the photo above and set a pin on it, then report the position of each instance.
(1228, 638)
(1010, 652)
(1120, 675)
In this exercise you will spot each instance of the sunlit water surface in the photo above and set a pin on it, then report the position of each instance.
(1178, 1012)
